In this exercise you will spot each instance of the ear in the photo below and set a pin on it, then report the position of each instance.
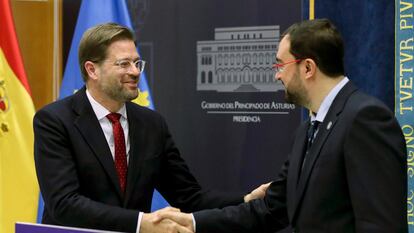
(92, 70)
(310, 68)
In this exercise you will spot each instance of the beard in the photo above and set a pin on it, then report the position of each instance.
(296, 93)
(122, 94)
(118, 92)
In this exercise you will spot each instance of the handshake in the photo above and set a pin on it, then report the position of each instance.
(167, 220)
(172, 220)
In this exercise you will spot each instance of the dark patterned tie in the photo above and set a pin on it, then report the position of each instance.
(313, 128)
(120, 149)
(311, 134)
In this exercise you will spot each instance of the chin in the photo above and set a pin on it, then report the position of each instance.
(135, 94)
(129, 95)
(132, 97)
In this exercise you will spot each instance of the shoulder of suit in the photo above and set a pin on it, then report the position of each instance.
(360, 101)
(58, 105)
(363, 99)
(136, 107)
(141, 111)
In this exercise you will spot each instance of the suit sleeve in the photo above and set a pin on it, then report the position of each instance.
(59, 183)
(375, 156)
(260, 215)
(181, 188)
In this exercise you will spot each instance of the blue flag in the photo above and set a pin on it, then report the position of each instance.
(92, 13)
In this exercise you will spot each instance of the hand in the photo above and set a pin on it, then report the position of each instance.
(151, 223)
(182, 219)
(257, 193)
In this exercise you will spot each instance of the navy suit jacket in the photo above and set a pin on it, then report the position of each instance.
(77, 176)
(354, 179)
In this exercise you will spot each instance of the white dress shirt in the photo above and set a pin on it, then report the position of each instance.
(327, 101)
(101, 112)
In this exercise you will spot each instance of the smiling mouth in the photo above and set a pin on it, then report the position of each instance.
(131, 84)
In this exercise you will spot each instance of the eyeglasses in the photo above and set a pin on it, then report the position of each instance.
(279, 67)
(127, 64)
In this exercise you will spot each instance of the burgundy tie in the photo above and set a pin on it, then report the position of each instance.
(120, 149)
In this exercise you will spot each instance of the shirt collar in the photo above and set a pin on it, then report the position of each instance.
(101, 111)
(327, 101)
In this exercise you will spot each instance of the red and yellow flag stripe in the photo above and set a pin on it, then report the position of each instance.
(19, 190)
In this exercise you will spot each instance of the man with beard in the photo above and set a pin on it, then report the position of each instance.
(347, 168)
(99, 157)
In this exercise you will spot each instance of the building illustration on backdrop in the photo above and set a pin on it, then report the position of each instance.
(239, 59)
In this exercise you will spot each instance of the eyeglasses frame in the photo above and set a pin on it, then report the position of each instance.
(279, 67)
(131, 63)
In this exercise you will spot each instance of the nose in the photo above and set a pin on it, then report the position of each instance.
(134, 70)
(277, 76)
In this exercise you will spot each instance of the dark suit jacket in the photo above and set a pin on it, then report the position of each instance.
(354, 178)
(77, 175)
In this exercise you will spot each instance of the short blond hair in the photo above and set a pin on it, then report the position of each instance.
(96, 40)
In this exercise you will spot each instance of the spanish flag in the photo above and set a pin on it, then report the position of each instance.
(19, 190)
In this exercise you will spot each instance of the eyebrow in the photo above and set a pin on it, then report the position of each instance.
(127, 58)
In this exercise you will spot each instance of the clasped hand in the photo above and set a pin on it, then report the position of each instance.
(167, 220)
(171, 220)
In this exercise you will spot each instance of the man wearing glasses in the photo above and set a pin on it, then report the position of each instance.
(346, 172)
(99, 156)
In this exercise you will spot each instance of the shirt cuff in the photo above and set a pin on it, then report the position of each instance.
(194, 223)
(139, 221)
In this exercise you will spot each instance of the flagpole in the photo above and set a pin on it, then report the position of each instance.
(311, 9)
(57, 55)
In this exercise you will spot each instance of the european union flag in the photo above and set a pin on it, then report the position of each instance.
(92, 13)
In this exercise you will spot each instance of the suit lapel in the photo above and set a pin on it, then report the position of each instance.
(137, 131)
(313, 154)
(91, 131)
(298, 150)
(324, 131)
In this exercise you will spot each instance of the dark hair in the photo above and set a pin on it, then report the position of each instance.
(319, 40)
(96, 40)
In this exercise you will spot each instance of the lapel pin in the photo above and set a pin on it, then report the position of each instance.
(329, 125)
